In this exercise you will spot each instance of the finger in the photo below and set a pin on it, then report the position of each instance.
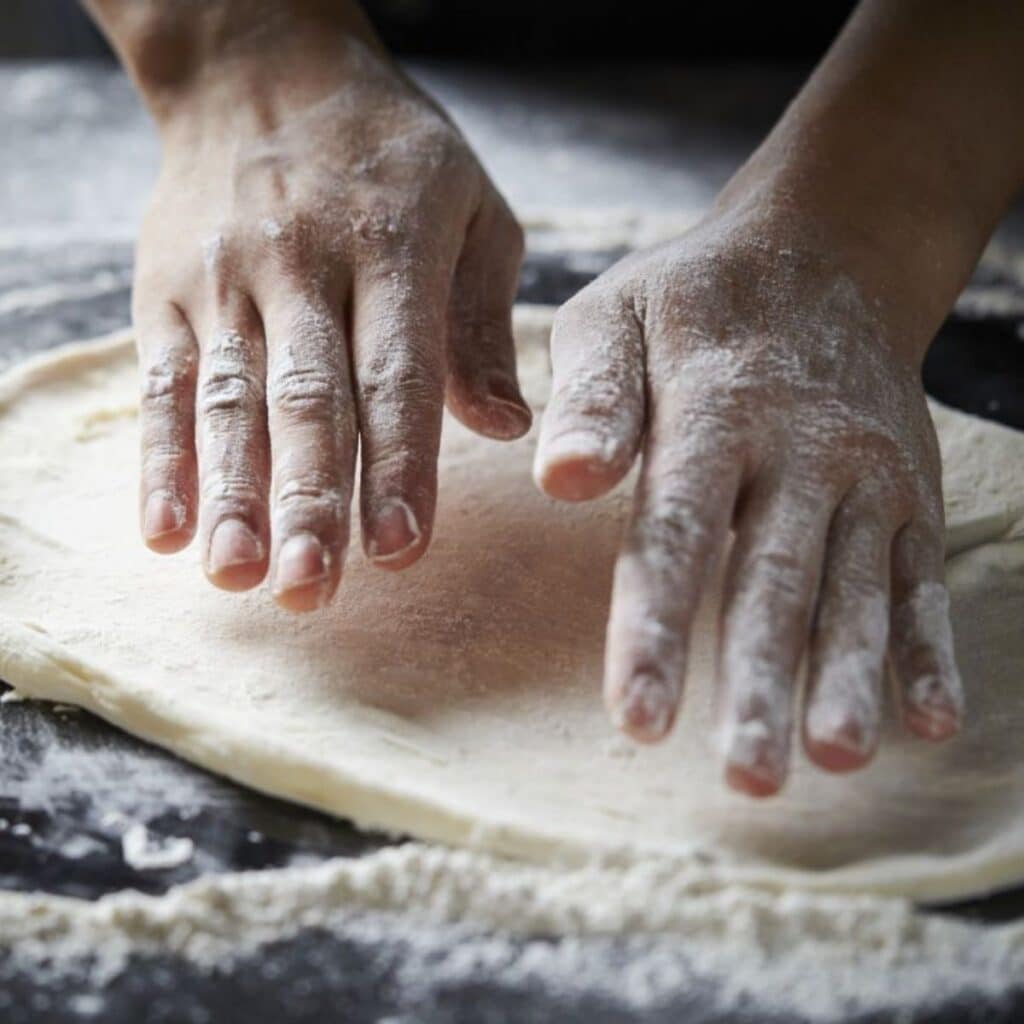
(398, 356)
(168, 358)
(482, 387)
(921, 644)
(595, 418)
(682, 511)
(233, 445)
(311, 415)
(769, 592)
(843, 710)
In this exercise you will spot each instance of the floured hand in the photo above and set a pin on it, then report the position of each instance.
(767, 391)
(323, 260)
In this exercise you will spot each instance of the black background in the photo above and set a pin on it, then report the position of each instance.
(519, 30)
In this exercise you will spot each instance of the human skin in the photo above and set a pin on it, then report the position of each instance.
(765, 369)
(323, 262)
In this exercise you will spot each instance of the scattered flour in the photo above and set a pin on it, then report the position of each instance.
(146, 852)
(795, 952)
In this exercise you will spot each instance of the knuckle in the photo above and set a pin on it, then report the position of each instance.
(284, 233)
(309, 488)
(218, 257)
(163, 455)
(293, 245)
(225, 392)
(167, 381)
(312, 499)
(441, 150)
(231, 489)
(228, 385)
(307, 392)
(779, 573)
(852, 586)
(679, 524)
(380, 227)
(588, 303)
(400, 381)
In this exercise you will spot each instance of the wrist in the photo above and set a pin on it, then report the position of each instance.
(901, 153)
(892, 218)
(175, 51)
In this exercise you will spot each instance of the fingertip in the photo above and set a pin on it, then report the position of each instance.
(497, 411)
(237, 578)
(756, 761)
(236, 558)
(933, 710)
(839, 738)
(748, 782)
(645, 708)
(577, 467)
(166, 525)
(837, 754)
(509, 417)
(169, 543)
(299, 600)
(932, 724)
(393, 536)
(303, 578)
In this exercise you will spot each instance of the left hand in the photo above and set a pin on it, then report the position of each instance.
(769, 391)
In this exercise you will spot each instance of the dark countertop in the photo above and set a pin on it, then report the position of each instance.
(74, 169)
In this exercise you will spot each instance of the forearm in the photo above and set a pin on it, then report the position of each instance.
(914, 119)
(172, 48)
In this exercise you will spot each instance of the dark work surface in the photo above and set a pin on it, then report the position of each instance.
(322, 978)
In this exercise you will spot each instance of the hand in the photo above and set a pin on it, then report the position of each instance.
(323, 259)
(770, 392)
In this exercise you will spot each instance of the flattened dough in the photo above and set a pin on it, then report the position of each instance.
(459, 700)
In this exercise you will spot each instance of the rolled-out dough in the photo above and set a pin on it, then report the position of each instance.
(460, 700)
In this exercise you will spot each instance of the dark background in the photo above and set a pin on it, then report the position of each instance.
(514, 29)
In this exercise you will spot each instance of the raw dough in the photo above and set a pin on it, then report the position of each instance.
(459, 700)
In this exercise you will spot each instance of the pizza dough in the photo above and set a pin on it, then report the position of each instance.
(459, 700)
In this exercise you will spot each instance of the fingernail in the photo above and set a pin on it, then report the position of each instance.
(394, 531)
(646, 707)
(933, 708)
(301, 562)
(576, 445)
(842, 727)
(508, 405)
(164, 514)
(233, 543)
(753, 750)
(849, 736)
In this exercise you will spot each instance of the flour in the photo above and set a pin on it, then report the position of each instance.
(146, 852)
(793, 952)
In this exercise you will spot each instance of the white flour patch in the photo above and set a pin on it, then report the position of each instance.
(787, 951)
(147, 852)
